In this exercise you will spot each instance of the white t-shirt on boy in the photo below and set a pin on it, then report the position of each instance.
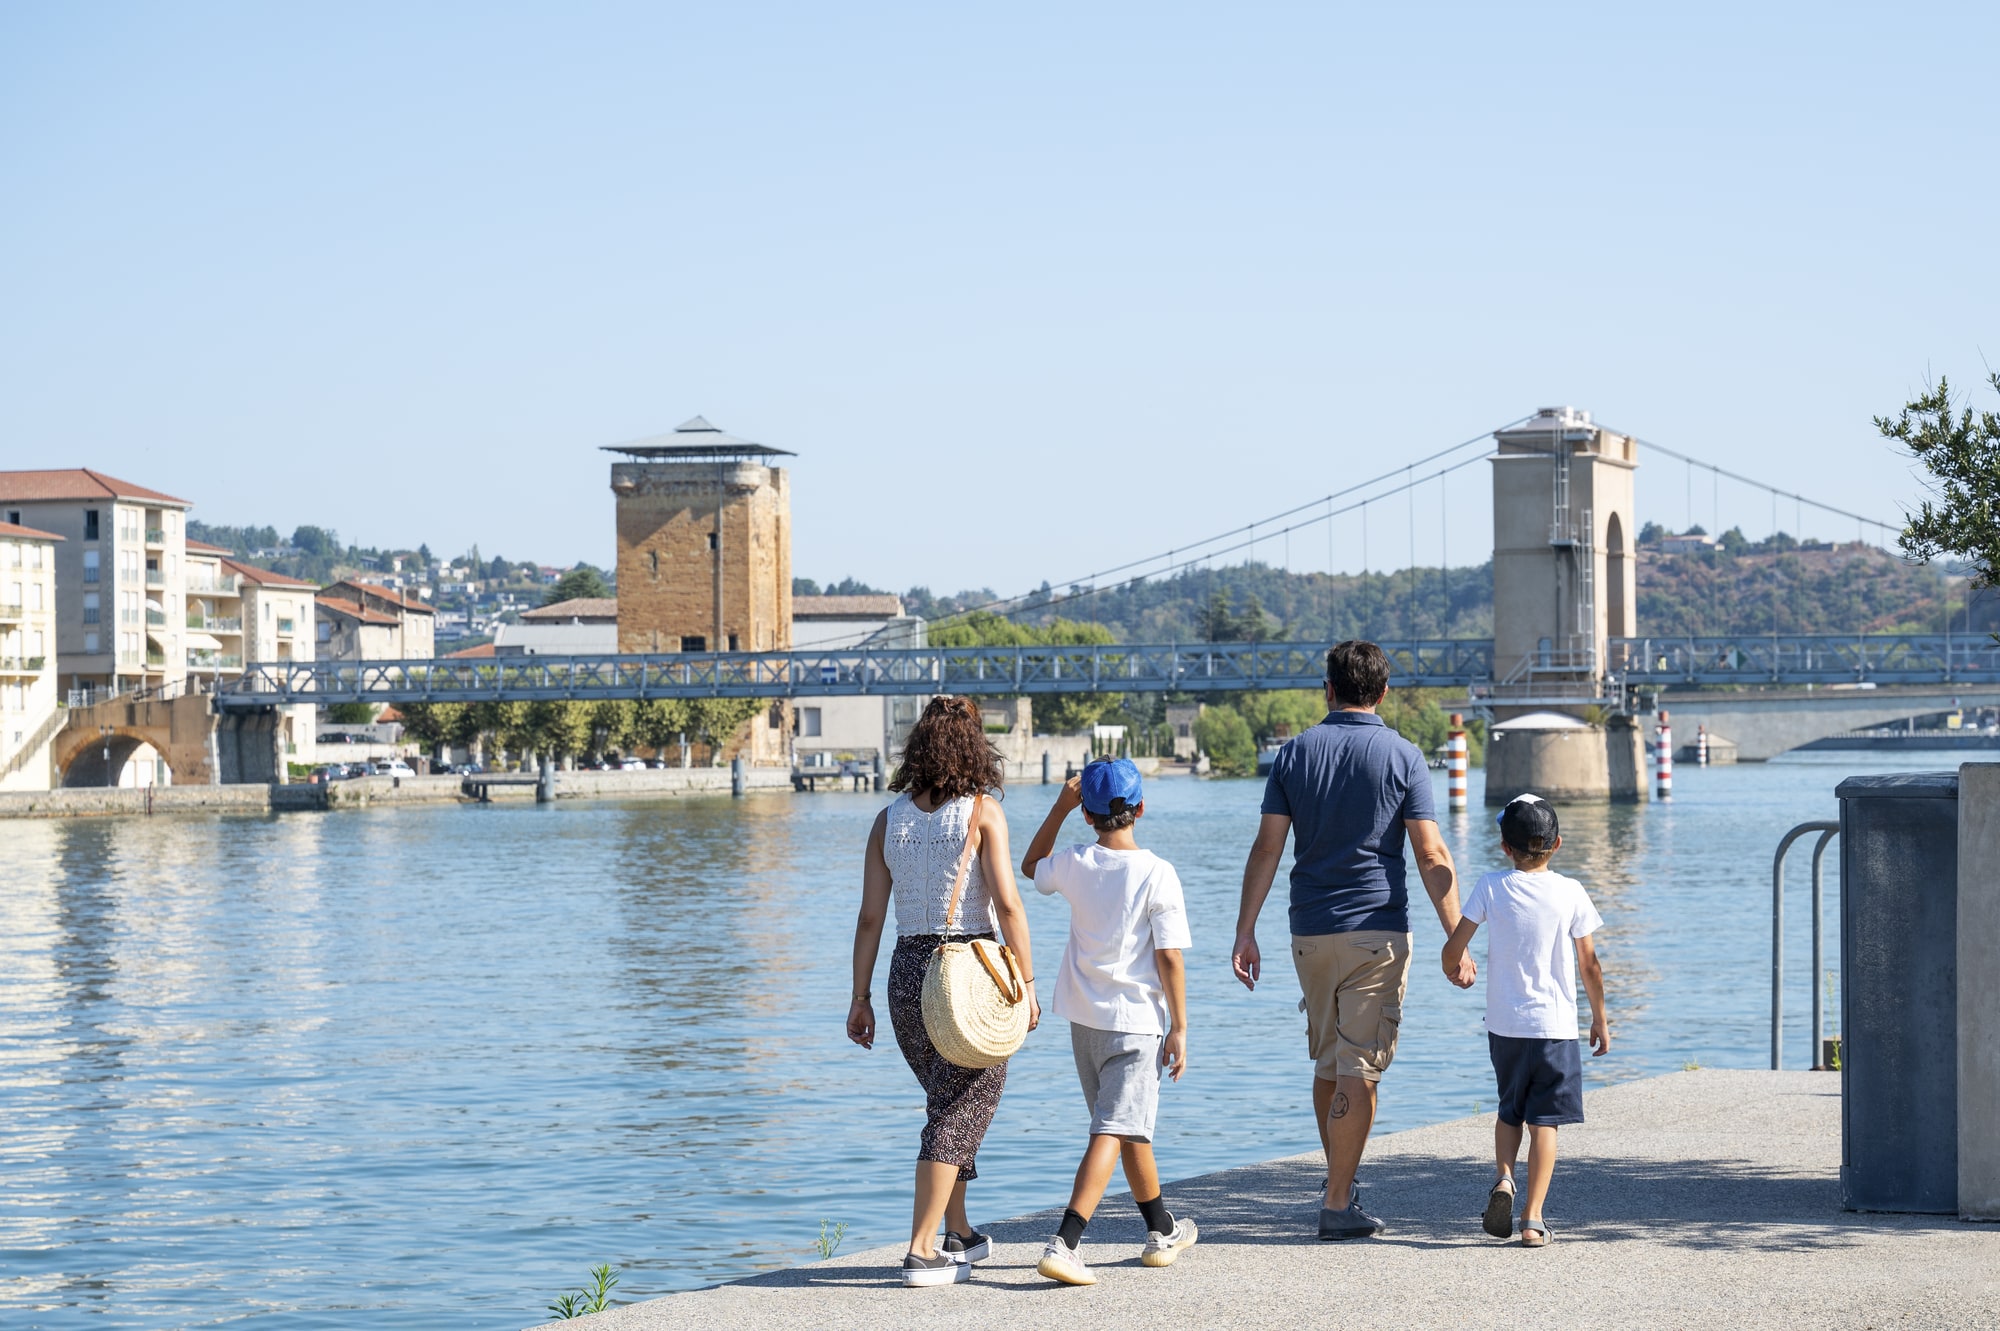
(1123, 904)
(1531, 921)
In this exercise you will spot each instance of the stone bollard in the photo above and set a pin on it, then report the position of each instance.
(545, 782)
(1046, 767)
(880, 780)
(736, 777)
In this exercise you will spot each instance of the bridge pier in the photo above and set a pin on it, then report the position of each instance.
(1565, 759)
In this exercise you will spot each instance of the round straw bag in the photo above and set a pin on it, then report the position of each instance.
(975, 1006)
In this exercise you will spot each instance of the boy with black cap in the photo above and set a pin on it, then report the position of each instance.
(1123, 990)
(1538, 918)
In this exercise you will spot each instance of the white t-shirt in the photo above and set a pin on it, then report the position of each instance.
(1122, 905)
(1532, 920)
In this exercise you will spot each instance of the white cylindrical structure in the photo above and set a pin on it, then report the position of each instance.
(1663, 763)
(1456, 755)
(1701, 746)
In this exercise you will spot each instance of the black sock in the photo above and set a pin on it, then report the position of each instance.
(1158, 1218)
(1071, 1232)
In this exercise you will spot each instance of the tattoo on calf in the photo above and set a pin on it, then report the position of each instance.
(1340, 1104)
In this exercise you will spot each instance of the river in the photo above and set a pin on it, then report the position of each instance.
(422, 1067)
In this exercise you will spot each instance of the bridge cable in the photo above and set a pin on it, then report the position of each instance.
(1480, 438)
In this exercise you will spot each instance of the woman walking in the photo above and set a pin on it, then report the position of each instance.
(914, 851)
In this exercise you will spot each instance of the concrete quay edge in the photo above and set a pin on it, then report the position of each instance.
(1697, 1198)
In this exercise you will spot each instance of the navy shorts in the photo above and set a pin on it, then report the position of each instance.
(1541, 1081)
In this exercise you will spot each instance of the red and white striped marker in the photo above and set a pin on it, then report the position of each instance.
(1663, 763)
(1701, 746)
(1456, 755)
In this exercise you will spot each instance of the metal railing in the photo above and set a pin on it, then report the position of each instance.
(214, 661)
(216, 623)
(156, 536)
(22, 665)
(987, 671)
(156, 619)
(155, 578)
(1886, 658)
(1827, 831)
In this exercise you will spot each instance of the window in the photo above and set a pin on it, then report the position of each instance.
(89, 524)
(326, 630)
(694, 643)
(35, 596)
(38, 644)
(809, 721)
(1182, 730)
(90, 645)
(732, 643)
(14, 516)
(14, 595)
(13, 554)
(34, 556)
(653, 557)
(713, 539)
(90, 566)
(90, 608)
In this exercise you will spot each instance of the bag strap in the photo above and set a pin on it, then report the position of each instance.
(964, 864)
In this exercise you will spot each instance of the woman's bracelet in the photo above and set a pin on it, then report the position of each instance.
(860, 998)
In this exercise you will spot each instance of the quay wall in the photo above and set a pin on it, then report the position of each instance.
(91, 802)
(362, 792)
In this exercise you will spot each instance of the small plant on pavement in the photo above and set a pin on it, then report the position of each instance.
(830, 1235)
(593, 1298)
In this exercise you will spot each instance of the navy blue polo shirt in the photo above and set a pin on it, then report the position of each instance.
(1348, 785)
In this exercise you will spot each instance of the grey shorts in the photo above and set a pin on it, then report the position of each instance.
(1120, 1072)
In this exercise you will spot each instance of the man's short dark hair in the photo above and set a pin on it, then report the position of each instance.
(1359, 673)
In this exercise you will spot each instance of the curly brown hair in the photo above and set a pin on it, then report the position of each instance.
(948, 753)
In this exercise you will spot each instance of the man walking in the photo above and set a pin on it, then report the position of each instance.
(1354, 790)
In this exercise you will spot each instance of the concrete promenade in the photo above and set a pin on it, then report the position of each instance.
(1705, 1199)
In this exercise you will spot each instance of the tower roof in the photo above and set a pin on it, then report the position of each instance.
(695, 439)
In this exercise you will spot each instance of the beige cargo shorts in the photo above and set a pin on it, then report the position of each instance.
(1353, 985)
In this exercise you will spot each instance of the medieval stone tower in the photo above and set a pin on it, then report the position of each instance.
(704, 544)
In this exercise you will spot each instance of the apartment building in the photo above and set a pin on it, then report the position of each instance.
(120, 618)
(279, 626)
(29, 716)
(214, 641)
(365, 621)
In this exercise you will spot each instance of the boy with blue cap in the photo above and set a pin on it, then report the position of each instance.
(1122, 988)
(1538, 919)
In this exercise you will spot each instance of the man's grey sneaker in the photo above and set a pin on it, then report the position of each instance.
(1352, 1223)
(1161, 1249)
(973, 1247)
(944, 1269)
(1060, 1262)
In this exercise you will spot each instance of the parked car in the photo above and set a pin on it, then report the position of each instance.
(395, 767)
(659, 763)
(632, 765)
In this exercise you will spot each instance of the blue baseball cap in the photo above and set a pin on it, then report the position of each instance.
(1111, 786)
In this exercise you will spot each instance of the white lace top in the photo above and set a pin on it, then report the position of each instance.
(922, 851)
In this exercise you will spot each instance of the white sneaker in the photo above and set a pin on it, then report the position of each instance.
(1161, 1249)
(944, 1269)
(1060, 1262)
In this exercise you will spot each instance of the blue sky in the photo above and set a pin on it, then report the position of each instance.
(1029, 289)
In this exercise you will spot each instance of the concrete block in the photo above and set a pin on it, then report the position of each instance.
(1979, 991)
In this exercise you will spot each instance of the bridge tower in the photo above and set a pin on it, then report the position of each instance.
(1564, 583)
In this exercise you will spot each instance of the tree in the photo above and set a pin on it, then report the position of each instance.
(717, 719)
(1651, 533)
(1281, 713)
(1962, 454)
(1733, 541)
(1225, 737)
(659, 723)
(351, 713)
(581, 581)
(558, 726)
(320, 542)
(433, 723)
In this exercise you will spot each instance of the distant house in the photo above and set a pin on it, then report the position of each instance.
(583, 626)
(365, 621)
(1681, 545)
(824, 729)
(1181, 719)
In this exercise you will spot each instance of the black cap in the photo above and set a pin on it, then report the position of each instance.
(1528, 824)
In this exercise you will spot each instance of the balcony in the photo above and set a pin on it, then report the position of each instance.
(156, 619)
(216, 623)
(228, 584)
(22, 665)
(156, 536)
(12, 613)
(214, 661)
(155, 578)
(155, 659)
(284, 627)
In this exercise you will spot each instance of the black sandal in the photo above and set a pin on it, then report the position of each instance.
(1499, 1218)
